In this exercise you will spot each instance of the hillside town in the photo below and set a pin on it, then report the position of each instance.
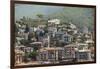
(51, 41)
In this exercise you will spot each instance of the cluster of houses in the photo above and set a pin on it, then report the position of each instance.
(54, 42)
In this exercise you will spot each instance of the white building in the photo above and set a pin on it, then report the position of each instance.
(83, 55)
(82, 46)
(54, 21)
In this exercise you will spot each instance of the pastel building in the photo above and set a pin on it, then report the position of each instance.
(83, 55)
(69, 51)
(64, 37)
(50, 54)
(19, 56)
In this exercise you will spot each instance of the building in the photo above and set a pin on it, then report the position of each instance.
(19, 56)
(54, 21)
(51, 54)
(36, 45)
(69, 51)
(82, 52)
(83, 55)
(52, 31)
(82, 46)
(67, 38)
(64, 37)
(91, 47)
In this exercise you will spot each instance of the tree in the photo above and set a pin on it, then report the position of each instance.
(33, 55)
(81, 16)
(40, 16)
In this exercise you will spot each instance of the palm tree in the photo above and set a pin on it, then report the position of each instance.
(40, 17)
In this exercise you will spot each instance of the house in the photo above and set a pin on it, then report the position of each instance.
(83, 55)
(72, 26)
(72, 29)
(51, 54)
(67, 38)
(36, 45)
(25, 49)
(52, 31)
(91, 47)
(41, 26)
(69, 51)
(79, 53)
(54, 21)
(59, 35)
(63, 37)
(19, 55)
(82, 46)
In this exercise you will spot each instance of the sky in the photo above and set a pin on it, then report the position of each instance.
(32, 10)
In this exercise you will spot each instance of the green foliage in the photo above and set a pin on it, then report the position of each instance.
(79, 16)
(32, 54)
(39, 15)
